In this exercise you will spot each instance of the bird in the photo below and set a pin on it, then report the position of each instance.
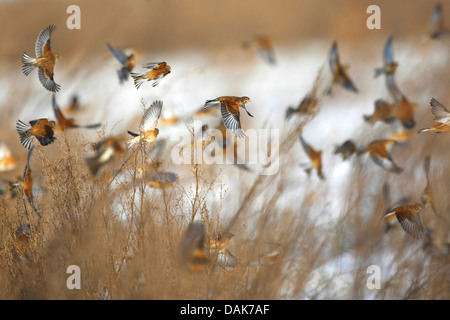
(389, 65)
(384, 111)
(105, 151)
(147, 127)
(127, 61)
(390, 222)
(378, 152)
(404, 111)
(441, 115)
(8, 162)
(347, 149)
(229, 108)
(315, 157)
(158, 70)
(339, 71)
(264, 46)
(409, 218)
(218, 246)
(45, 60)
(193, 251)
(41, 129)
(66, 123)
(74, 105)
(308, 106)
(161, 180)
(436, 26)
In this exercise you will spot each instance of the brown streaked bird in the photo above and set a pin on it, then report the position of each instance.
(441, 115)
(264, 46)
(409, 218)
(158, 70)
(389, 65)
(7, 161)
(41, 129)
(192, 247)
(67, 123)
(378, 151)
(436, 26)
(339, 71)
(202, 112)
(404, 111)
(127, 61)
(45, 60)
(315, 157)
(147, 127)
(106, 150)
(229, 108)
(384, 111)
(347, 149)
(161, 180)
(218, 246)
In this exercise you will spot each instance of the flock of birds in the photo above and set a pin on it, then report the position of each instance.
(399, 113)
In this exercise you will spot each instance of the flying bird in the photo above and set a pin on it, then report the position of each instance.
(389, 65)
(315, 157)
(347, 149)
(158, 70)
(404, 111)
(378, 152)
(193, 251)
(147, 127)
(41, 129)
(409, 218)
(384, 111)
(264, 46)
(45, 60)
(127, 61)
(441, 115)
(229, 108)
(28, 183)
(105, 151)
(339, 71)
(67, 123)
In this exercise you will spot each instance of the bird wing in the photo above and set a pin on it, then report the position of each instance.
(118, 54)
(333, 57)
(43, 41)
(388, 54)
(151, 65)
(440, 113)
(151, 116)
(411, 223)
(436, 19)
(47, 81)
(231, 121)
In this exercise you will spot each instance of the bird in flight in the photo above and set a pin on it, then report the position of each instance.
(147, 127)
(339, 71)
(127, 61)
(41, 129)
(441, 115)
(436, 26)
(264, 46)
(389, 65)
(193, 249)
(66, 123)
(105, 151)
(378, 152)
(158, 70)
(409, 218)
(315, 157)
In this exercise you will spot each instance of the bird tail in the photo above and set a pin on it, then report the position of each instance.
(28, 64)
(24, 134)
(130, 142)
(289, 112)
(211, 104)
(378, 72)
(139, 79)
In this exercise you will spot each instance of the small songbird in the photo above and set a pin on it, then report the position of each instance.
(339, 71)
(147, 127)
(67, 123)
(106, 150)
(308, 106)
(45, 60)
(404, 111)
(315, 157)
(441, 115)
(127, 61)
(229, 107)
(437, 23)
(347, 149)
(264, 46)
(384, 111)
(158, 70)
(378, 151)
(409, 218)
(7, 161)
(218, 246)
(41, 129)
(192, 247)
(390, 66)
(161, 180)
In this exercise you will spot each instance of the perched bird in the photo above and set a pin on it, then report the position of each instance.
(106, 150)
(315, 157)
(161, 180)
(147, 127)
(66, 123)
(264, 46)
(339, 71)
(158, 70)
(347, 149)
(127, 61)
(41, 129)
(229, 107)
(409, 218)
(45, 60)
(441, 115)
(437, 23)
(378, 151)
(7, 161)
(384, 111)
(192, 247)
(389, 66)
(218, 246)
(404, 111)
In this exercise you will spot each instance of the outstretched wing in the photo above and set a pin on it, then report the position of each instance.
(43, 41)
(151, 116)
(118, 54)
(388, 54)
(232, 121)
(440, 113)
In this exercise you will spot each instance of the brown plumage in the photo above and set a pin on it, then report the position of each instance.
(347, 149)
(339, 71)
(436, 26)
(441, 115)
(315, 157)
(389, 65)
(378, 152)
(158, 70)
(384, 111)
(105, 151)
(409, 218)
(41, 129)
(193, 251)
(264, 46)
(127, 61)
